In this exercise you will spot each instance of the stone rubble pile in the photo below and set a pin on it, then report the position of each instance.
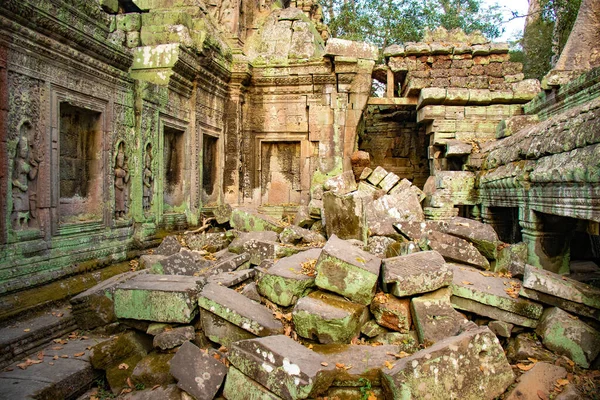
(360, 298)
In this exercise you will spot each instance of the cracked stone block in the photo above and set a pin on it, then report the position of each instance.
(512, 258)
(343, 215)
(391, 312)
(211, 242)
(524, 346)
(95, 307)
(482, 236)
(366, 361)
(341, 184)
(283, 366)
(539, 379)
(389, 181)
(488, 289)
(372, 329)
(172, 338)
(366, 188)
(416, 230)
(237, 245)
(228, 263)
(241, 387)
(475, 307)
(152, 370)
(389, 209)
(302, 217)
(364, 175)
(436, 319)
(377, 176)
(289, 278)
(197, 372)
(501, 328)
(560, 287)
(248, 220)
(470, 366)
(251, 292)
(415, 273)
(260, 250)
(186, 262)
(347, 270)
(569, 336)
(296, 235)
(221, 331)
(239, 310)
(158, 298)
(456, 249)
(328, 318)
(169, 246)
(378, 245)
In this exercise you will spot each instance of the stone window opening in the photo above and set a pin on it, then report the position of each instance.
(173, 166)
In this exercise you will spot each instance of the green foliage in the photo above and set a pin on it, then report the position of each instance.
(385, 22)
(365, 388)
(562, 14)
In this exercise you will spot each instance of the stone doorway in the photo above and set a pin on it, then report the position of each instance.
(280, 179)
(80, 164)
(173, 167)
(209, 166)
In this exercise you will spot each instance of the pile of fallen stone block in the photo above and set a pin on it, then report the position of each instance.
(361, 298)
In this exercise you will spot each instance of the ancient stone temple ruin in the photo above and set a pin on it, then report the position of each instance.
(318, 238)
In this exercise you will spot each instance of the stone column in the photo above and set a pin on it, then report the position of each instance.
(547, 247)
(3, 137)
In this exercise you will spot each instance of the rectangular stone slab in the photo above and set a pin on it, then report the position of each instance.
(283, 366)
(239, 310)
(221, 331)
(347, 270)
(559, 286)
(248, 220)
(470, 366)
(570, 306)
(159, 298)
(460, 303)
(284, 283)
(469, 283)
(241, 387)
(415, 273)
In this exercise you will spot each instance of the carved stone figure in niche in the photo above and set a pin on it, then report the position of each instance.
(148, 179)
(226, 16)
(121, 181)
(25, 171)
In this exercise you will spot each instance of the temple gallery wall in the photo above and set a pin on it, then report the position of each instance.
(122, 121)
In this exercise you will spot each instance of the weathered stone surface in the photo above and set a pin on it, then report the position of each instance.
(435, 318)
(197, 372)
(261, 250)
(348, 48)
(185, 262)
(569, 336)
(229, 279)
(221, 331)
(160, 298)
(347, 270)
(561, 287)
(152, 370)
(524, 346)
(365, 173)
(415, 273)
(566, 305)
(501, 328)
(456, 249)
(378, 245)
(248, 220)
(222, 213)
(537, 382)
(289, 278)
(360, 160)
(328, 318)
(391, 312)
(366, 362)
(169, 246)
(171, 338)
(512, 259)
(414, 230)
(211, 242)
(303, 218)
(296, 235)
(341, 184)
(372, 329)
(241, 387)
(475, 307)
(377, 176)
(237, 245)
(251, 292)
(95, 307)
(389, 181)
(237, 309)
(488, 289)
(343, 215)
(406, 342)
(152, 263)
(389, 209)
(283, 366)
(482, 236)
(471, 365)
(169, 392)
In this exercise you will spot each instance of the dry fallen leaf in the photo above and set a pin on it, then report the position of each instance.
(389, 365)
(466, 283)
(79, 354)
(524, 367)
(55, 358)
(22, 365)
(57, 348)
(562, 382)
(40, 355)
(130, 383)
(339, 365)
(64, 356)
(542, 395)
(123, 366)
(26, 330)
(153, 387)
(324, 364)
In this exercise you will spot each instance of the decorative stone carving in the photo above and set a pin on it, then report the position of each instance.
(25, 171)
(121, 183)
(148, 179)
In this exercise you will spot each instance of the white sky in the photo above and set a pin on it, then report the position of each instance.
(514, 27)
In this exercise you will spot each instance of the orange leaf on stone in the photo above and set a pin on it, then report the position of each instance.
(123, 366)
(524, 367)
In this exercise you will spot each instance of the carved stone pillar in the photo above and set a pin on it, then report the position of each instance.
(548, 244)
(3, 137)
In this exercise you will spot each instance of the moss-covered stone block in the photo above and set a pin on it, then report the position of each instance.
(247, 220)
(158, 298)
(289, 278)
(153, 369)
(241, 387)
(113, 352)
(415, 273)
(328, 318)
(347, 270)
(391, 312)
(470, 366)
